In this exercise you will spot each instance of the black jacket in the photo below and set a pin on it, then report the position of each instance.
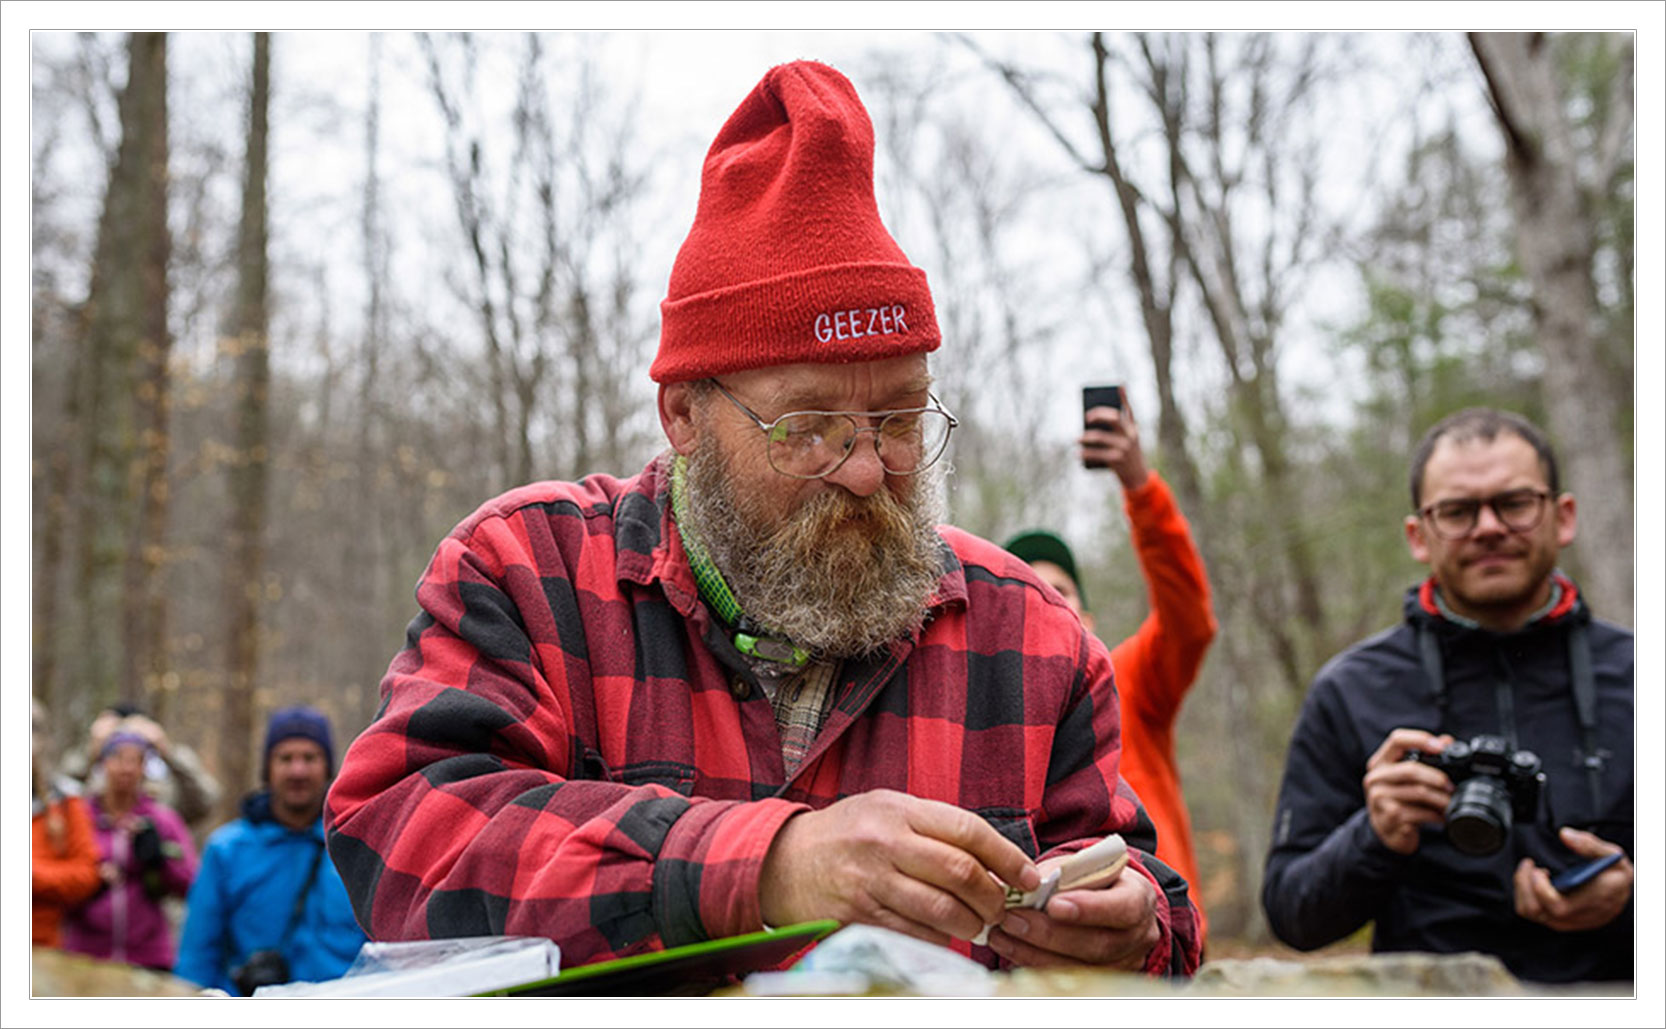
(1327, 872)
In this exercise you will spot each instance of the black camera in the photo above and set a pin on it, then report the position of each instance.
(150, 853)
(147, 845)
(264, 968)
(1492, 787)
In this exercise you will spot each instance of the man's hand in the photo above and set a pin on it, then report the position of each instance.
(1115, 925)
(1403, 796)
(1591, 906)
(885, 858)
(1112, 438)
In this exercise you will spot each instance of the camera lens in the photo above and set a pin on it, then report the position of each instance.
(1478, 818)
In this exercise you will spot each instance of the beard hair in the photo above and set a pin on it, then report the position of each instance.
(842, 576)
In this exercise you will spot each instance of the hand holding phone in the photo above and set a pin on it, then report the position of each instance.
(1099, 396)
(1573, 877)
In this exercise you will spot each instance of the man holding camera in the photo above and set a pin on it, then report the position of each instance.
(1514, 707)
(267, 905)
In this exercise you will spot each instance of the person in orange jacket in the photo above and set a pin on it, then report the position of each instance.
(1156, 666)
(64, 854)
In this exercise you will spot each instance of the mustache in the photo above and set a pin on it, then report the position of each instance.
(1493, 548)
(837, 512)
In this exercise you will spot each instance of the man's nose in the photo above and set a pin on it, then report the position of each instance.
(1487, 522)
(862, 472)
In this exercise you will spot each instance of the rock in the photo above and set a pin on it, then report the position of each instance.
(1355, 975)
(1344, 975)
(57, 973)
(1080, 982)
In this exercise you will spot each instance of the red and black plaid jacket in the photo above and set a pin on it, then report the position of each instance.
(569, 745)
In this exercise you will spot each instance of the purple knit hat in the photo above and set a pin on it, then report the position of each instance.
(304, 722)
(123, 739)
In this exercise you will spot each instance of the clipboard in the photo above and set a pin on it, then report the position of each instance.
(690, 970)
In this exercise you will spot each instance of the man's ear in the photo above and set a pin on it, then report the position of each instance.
(1567, 519)
(676, 416)
(1415, 542)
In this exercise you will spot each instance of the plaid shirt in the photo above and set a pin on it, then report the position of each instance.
(570, 746)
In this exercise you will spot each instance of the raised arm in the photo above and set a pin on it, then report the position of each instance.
(1171, 642)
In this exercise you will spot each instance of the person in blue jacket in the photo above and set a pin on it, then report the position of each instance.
(267, 905)
(1453, 852)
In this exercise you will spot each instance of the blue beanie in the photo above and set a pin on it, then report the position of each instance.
(304, 722)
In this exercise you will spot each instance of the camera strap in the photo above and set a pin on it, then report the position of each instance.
(1585, 703)
(301, 898)
(230, 947)
(1584, 699)
(1429, 649)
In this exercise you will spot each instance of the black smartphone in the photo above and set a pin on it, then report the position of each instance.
(1099, 396)
(1572, 878)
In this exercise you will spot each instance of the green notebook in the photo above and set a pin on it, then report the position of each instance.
(692, 969)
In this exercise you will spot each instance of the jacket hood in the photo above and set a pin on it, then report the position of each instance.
(257, 807)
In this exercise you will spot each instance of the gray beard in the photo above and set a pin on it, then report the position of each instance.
(842, 577)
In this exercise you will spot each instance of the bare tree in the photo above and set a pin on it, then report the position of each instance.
(1250, 169)
(571, 280)
(119, 400)
(959, 201)
(1154, 266)
(465, 162)
(1202, 141)
(1232, 214)
(248, 471)
(1554, 186)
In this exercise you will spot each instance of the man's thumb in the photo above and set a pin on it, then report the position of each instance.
(1586, 844)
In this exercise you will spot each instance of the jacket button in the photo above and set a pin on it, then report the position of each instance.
(739, 688)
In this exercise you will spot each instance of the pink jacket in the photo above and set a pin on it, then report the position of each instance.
(122, 922)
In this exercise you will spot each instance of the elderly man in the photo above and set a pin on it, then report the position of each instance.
(755, 684)
(1498, 657)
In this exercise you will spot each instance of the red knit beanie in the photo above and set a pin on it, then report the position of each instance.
(787, 260)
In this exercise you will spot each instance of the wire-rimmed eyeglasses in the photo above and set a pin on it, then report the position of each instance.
(814, 444)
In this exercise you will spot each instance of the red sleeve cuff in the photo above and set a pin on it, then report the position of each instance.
(729, 851)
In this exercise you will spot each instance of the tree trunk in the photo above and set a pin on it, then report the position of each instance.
(1156, 290)
(145, 596)
(53, 475)
(1156, 303)
(1554, 242)
(248, 471)
(375, 580)
(1245, 308)
(121, 392)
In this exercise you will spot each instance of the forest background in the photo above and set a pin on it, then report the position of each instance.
(300, 302)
